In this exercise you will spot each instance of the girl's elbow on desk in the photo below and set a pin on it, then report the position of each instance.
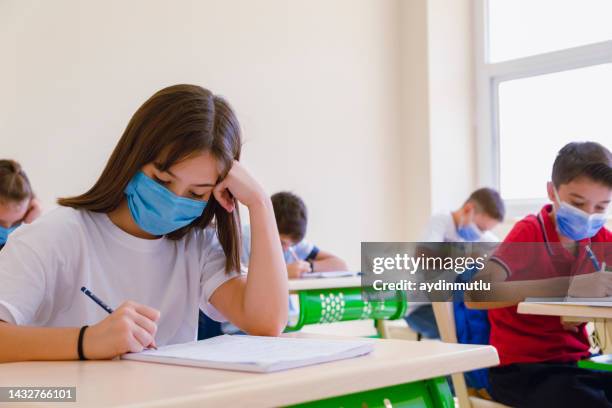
(269, 326)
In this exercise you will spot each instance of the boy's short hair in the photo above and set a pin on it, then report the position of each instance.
(291, 215)
(489, 202)
(577, 159)
(14, 184)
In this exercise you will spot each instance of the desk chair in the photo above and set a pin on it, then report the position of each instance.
(445, 319)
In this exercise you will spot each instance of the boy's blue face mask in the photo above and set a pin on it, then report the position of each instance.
(575, 223)
(469, 232)
(4, 233)
(156, 209)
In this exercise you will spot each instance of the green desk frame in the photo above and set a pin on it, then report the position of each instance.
(434, 393)
(319, 306)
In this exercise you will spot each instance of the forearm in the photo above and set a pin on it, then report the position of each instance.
(331, 263)
(22, 343)
(506, 293)
(266, 288)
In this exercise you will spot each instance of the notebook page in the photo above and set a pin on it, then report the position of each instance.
(258, 350)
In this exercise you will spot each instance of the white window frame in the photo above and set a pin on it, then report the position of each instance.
(488, 78)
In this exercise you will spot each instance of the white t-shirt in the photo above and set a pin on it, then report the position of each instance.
(44, 265)
(441, 228)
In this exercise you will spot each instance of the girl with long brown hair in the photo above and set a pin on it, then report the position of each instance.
(157, 237)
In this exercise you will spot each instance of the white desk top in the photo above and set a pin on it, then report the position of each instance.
(573, 310)
(324, 283)
(129, 383)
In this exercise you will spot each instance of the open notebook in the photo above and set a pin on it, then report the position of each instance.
(330, 274)
(254, 353)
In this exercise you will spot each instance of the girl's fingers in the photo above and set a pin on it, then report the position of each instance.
(145, 323)
(134, 344)
(143, 337)
(224, 197)
(33, 212)
(149, 312)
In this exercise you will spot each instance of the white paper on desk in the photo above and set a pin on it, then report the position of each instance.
(330, 274)
(254, 353)
(574, 301)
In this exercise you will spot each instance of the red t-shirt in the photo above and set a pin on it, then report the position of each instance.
(524, 338)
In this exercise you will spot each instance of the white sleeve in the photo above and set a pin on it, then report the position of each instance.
(435, 230)
(24, 281)
(213, 274)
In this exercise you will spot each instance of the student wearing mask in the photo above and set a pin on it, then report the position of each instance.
(472, 222)
(539, 354)
(17, 202)
(301, 256)
(156, 237)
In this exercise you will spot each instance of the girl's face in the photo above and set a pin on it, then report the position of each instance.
(12, 213)
(194, 177)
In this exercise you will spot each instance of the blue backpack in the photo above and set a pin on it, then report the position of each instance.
(472, 328)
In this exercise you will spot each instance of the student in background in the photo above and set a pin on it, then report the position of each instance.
(157, 237)
(472, 222)
(17, 202)
(538, 354)
(301, 256)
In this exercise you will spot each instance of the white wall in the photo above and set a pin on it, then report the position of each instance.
(437, 85)
(314, 83)
(451, 102)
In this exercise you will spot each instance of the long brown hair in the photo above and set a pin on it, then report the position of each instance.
(14, 184)
(170, 126)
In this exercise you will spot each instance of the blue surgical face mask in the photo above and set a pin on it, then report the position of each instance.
(4, 233)
(575, 223)
(158, 210)
(469, 232)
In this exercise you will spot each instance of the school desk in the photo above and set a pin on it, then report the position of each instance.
(397, 370)
(600, 315)
(330, 300)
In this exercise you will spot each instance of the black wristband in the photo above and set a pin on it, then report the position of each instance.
(80, 343)
(311, 262)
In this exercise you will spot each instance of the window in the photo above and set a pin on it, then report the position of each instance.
(520, 28)
(544, 78)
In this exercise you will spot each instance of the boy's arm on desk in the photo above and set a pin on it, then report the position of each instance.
(326, 261)
(513, 292)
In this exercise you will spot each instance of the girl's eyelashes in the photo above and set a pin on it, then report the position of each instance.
(191, 193)
(160, 181)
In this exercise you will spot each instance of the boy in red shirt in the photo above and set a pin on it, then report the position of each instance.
(538, 354)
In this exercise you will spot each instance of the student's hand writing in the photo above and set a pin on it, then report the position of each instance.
(596, 284)
(130, 328)
(297, 268)
(240, 184)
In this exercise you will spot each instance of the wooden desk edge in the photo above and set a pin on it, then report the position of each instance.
(264, 395)
(547, 309)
